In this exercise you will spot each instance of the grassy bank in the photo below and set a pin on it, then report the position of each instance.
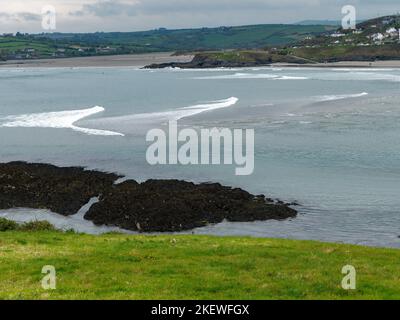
(190, 267)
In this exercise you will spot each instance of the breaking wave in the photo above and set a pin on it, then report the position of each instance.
(58, 119)
(340, 97)
(251, 76)
(165, 116)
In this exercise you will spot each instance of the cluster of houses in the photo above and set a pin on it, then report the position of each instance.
(379, 32)
(390, 34)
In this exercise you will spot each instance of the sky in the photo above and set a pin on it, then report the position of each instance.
(135, 15)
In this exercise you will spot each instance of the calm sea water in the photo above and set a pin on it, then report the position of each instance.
(326, 138)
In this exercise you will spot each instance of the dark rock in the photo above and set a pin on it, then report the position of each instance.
(155, 205)
(178, 205)
(209, 60)
(43, 186)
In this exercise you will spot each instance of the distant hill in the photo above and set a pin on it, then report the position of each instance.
(336, 23)
(372, 40)
(253, 36)
(102, 43)
(320, 23)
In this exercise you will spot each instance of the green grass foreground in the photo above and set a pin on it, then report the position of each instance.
(190, 267)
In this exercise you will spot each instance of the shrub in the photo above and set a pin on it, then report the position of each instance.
(37, 226)
(7, 225)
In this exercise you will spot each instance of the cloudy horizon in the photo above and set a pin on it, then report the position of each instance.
(136, 15)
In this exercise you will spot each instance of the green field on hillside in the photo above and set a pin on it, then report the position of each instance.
(256, 36)
(105, 43)
(190, 267)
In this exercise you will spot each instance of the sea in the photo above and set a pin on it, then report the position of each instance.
(325, 138)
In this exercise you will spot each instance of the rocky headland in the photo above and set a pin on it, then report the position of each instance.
(231, 59)
(151, 206)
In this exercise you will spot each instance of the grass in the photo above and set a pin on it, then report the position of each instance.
(348, 53)
(117, 266)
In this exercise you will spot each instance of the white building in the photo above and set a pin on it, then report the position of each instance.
(392, 32)
(378, 37)
(337, 35)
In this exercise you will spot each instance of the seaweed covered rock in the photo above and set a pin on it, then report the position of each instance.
(152, 206)
(43, 186)
(171, 205)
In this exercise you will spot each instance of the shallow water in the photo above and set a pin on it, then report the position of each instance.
(326, 138)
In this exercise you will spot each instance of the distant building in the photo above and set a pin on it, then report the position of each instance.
(377, 37)
(392, 32)
(337, 35)
(105, 50)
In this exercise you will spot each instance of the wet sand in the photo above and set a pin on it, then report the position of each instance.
(141, 60)
(132, 60)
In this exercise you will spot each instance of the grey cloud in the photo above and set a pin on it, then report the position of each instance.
(130, 15)
(27, 16)
(104, 8)
(21, 16)
(107, 8)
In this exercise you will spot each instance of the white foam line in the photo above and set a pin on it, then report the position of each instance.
(251, 76)
(59, 120)
(197, 109)
(340, 97)
(239, 76)
(174, 115)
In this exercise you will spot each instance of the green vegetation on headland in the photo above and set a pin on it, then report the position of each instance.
(235, 59)
(377, 39)
(117, 266)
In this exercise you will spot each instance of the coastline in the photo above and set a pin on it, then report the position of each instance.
(131, 60)
(221, 64)
(168, 58)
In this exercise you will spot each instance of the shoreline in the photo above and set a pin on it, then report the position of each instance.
(166, 58)
(130, 60)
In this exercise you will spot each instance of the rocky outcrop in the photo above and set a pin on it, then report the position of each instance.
(152, 206)
(43, 186)
(245, 59)
(171, 205)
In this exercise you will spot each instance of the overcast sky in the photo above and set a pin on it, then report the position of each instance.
(134, 15)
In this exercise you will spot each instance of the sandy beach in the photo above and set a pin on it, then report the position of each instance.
(133, 60)
(141, 60)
